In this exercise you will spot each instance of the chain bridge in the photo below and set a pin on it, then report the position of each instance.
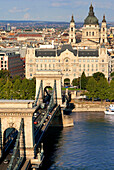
(23, 123)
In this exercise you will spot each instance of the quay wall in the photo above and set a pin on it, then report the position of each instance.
(97, 107)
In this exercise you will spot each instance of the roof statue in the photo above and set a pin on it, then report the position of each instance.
(91, 18)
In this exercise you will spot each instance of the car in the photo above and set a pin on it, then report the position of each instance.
(6, 161)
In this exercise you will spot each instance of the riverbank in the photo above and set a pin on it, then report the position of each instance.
(84, 106)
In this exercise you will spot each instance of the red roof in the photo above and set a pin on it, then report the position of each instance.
(29, 35)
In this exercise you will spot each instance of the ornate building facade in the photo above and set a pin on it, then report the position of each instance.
(70, 59)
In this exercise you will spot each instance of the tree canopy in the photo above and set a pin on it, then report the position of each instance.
(98, 75)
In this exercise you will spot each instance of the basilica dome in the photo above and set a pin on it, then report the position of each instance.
(91, 18)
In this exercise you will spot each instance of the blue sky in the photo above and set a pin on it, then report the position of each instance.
(54, 10)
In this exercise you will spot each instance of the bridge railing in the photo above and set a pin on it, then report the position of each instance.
(13, 162)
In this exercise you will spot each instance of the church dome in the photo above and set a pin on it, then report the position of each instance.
(91, 18)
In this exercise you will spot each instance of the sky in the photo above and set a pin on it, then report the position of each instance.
(55, 10)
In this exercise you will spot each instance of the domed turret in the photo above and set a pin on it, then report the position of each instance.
(91, 18)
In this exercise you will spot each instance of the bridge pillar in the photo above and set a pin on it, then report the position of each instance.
(11, 118)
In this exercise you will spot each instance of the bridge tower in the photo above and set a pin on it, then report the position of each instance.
(10, 117)
(47, 78)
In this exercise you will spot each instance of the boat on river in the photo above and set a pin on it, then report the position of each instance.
(110, 110)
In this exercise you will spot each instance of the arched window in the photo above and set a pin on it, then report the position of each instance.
(66, 60)
(86, 33)
(93, 33)
(71, 28)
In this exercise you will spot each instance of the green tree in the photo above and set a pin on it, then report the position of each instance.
(75, 82)
(102, 89)
(112, 75)
(7, 90)
(16, 89)
(91, 88)
(24, 88)
(111, 91)
(1, 88)
(83, 81)
(98, 75)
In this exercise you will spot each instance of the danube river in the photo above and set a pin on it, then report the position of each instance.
(89, 145)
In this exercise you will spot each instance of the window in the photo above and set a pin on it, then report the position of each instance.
(74, 74)
(103, 29)
(30, 74)
(59, 61)
(71, 40)
(71, 28)
(92, 60)
(30, 69)
(92, 65)
(87, 60)
(92, 33)
(83, 60)
(79, 60)
(96, 60)
(89, 33)
(36, 60)
(36, 65)
(96, 65)
(102, 60)
(53, 65)
(102, 65)
(66, 60)
(49, 60)
(41, 65)
(30, 65)
(79, 65)
(84, 65)
(86, 33)
(88, 65)
(53, 60)
(74, 70)
(74, 61)
(96, 69)
(88, 69)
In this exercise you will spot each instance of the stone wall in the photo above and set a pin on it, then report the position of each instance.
(97, 107)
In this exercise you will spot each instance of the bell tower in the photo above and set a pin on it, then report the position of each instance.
(72, 38)
(103, 31)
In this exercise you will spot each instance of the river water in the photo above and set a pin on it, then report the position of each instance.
(88, 145)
